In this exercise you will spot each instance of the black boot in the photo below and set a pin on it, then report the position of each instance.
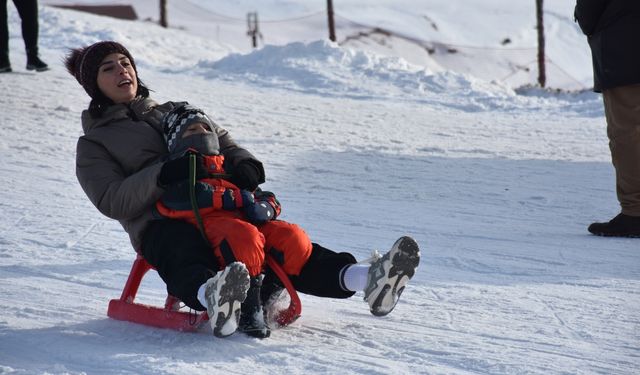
(251, 313)
(271, 288)
(620, 226)
(5, 65)
(34, 62)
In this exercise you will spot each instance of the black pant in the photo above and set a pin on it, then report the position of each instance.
(182, 258)
(28, 10)
(320, 276)
(185, 261)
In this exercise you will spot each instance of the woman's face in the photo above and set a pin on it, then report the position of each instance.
(116, 78)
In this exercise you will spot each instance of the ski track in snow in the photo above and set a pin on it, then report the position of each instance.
(497, 195)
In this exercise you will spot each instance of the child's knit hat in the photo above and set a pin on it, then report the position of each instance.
(176, 122)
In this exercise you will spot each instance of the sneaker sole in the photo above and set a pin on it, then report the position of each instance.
(620, 235)
(230, 289)
(392, 273)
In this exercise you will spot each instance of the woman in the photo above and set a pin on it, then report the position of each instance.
(122, 166)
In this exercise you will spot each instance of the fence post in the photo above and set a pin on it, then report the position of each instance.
(332, 27)
(542, 77)
(163, 13)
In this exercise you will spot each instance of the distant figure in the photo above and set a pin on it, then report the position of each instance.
(613, 31)
(28, 10)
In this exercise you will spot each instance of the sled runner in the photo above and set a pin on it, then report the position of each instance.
(170, 315)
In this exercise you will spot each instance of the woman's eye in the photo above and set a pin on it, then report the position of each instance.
(107, 69)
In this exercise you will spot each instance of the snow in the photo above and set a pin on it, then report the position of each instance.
(495, 180)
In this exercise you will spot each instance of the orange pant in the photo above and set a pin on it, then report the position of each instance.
(235, 239)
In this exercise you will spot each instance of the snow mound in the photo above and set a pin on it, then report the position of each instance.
(317, 64)
(326, 69)
(322, 67)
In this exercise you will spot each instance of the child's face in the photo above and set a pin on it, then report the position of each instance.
(196, 128)
(117, 79)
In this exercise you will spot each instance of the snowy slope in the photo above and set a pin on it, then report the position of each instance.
(494, 40)
(496, 186)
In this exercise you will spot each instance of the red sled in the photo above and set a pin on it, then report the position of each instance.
(170, 315)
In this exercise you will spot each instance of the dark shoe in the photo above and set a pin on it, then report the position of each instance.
(620, 226)
(252, 321)
(34, 63)
(5, 68)
(271, 288)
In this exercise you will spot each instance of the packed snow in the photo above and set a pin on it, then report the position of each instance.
(496, 180)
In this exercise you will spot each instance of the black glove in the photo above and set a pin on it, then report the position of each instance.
(246, 175)
(177, 170)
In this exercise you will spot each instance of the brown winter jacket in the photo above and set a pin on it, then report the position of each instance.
(119, 158)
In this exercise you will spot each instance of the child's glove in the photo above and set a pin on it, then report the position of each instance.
(229, 200)
(270, 198)
(256, 212)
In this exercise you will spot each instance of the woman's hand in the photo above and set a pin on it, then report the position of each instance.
(246, 175)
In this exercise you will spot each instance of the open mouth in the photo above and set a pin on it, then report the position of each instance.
(125, 82)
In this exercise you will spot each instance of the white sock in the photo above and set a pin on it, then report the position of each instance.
(201, 296)
(354, 277)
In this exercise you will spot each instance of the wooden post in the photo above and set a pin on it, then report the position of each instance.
(332, 26)
(542, 76)
(163, 13)
(252, 28)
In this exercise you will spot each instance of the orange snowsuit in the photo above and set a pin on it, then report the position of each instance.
(232, 236)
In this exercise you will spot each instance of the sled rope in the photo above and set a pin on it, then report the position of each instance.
(192, 196)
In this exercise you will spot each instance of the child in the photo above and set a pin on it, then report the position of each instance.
(239, 224)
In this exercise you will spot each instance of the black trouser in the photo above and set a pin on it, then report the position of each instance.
(320, 276)
(182, 258)
(28, 11)
(185, 261)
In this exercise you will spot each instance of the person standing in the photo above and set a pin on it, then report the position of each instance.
(612, 28)
(28, 11)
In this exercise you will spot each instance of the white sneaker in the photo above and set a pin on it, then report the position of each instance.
(389, 274)
(224, 293)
